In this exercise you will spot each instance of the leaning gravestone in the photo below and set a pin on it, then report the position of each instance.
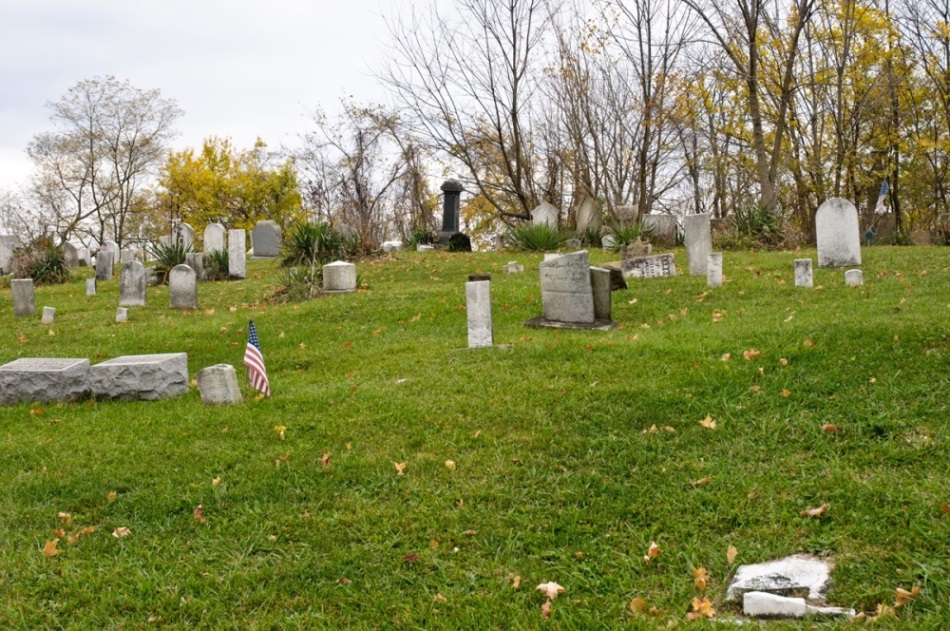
(566, 294)
(838, 233)
(663, 227)
(218, 385)
(478, 308)
(44, 380)
(698, 240)
(588, 214)
(7, 243)
(49, 315)
(145, 377)
(608, 242)
(183, 287)
(265, 239)
(237, 255)
(184, 234)
(133, 283)
(650, 266)
(215, 236)
(600, 290)
(803, 273)
(84, 257)
(714, 269)
(104, 265)
(24, 300)
(339, 277)
(70, 255)
(545, 214)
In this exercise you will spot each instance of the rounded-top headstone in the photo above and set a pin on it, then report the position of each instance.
(183, 287)
(215, 238)
(218, 385)
(838, 233)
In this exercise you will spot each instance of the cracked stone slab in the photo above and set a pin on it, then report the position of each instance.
(146, 377)
(799, 575)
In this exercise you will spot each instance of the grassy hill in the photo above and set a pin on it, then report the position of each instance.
(558, 474)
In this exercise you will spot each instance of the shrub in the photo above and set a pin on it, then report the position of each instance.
(759, 225)
(167, 256)
(41, 261)
(216, 263)
(626, 233)
(538, 238)
(298, 284)
(419, 236)
(313, 242)
(460, 242)
(590, 237)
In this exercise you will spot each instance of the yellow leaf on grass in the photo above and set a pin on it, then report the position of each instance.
(752, 353)
(708, 422)
(112, 495)
(785, 393)
(808, 344)
(450, 465)
(701, 609)
(550, 590)
(701, 481)
(325, 460)
(200, 514)
(700, 577)
(783, 361)
(516, 582)
(652, 553)
(831, 429)
(66, 518)
(50, 548)
(120, 532)
(638, 605)
(726, 357)
(400, 467)
(216, 481)
(815, 512)
(280, 429)
(731, 555)
(546, 609)
(902, 596)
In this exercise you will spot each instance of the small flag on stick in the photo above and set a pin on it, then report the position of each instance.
(254, 360)
(882, 196)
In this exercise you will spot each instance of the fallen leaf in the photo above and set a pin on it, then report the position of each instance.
(280, 429)
(477, 434)
(808, 344)
(111, 496)
(550, 590)
(726, 357)
(400, 467)
(450, 465)
(731, 554)
(751, 353)
(439, 598)
(72, 539)
(701, 481)
(272, 537)
(786, 392)
(638, 605)
(652, 553)
(708, 422)
(66, 518)
(815, 512)
(344, 581)
(872, 380)
(884, 610)
(516, 583)
(469, 533)
(701, 577)
(902, 596)
(412, 557)
(216, 481)
(325, 461)
(200, 514)
(50, 548)
(701, 609)
(783, 361)
(88, 530)
(831, 429)
(120, 532)
(347, 346)
(59, 532)
(546, 609)
(945, 508)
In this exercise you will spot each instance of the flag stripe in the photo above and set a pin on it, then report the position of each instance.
(254, 360)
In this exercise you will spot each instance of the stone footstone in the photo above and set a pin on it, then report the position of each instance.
(803, 273)
(714, 270)
(104, 265)
(698, 241)
(838, 233)
(339, 277)
(566, 294)
(183, 287)
(854, 278)
(478, 307)
(140, 377)
(237, 255)
(49, 315)
(24, 300)
(600, 289)
(133, 284)
(44, 380)
(121, 314)
(799, 575)
(90, 286)
(766, 605)
(218, 385)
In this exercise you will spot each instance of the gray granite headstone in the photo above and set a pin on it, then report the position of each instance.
(237, 254)
(663, 227)
(196, 261)
(121, 314)
(566, 294)
(478, 307)
(24, 300)
(803, 273)
(91, 286)
(145, 377)
(218, 385)
(133, 283)
(546, 214)
(714, 269)
(698, 240)
(183, 287)
(854, 278)
(7, 243)
(49, 315)
(600, 289)
(84, 257)
(266, 239)
(70, 255)
(215, 237)
(184, 234)
(650, 266)
(104, 265)
(44, 380)
(339, 277)
(838, 234)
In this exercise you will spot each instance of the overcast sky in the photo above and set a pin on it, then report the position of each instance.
(238, 68)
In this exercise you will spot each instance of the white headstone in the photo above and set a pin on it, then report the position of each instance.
(183, 287)
(478, 307)
(588, 214)
(44, 380)
(266, 239)
(803, 273)
(215, 236)
(121, 314)
(698, 240)
(566, 294)
(339, 277)
(392, 246)
(422, 247)
(854, 278)
(133, 283)
(546, 214)
(218, 385)
(49, 315)
(91, 286)
(184, 234)
(24, 300)
(145, 377)
(714, 269)
(237, 255)
(800, 573)
(838, 234)
(600, 290)
(513, 268)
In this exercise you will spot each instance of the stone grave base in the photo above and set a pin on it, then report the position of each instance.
(338, 291)
(44, 380)
(597, 325)
(145, 377)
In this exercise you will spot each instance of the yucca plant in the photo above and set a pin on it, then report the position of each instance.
(312, 242)
(41, 261)
(216, 263)
(538, 237)
(626, 233)
(167, 256)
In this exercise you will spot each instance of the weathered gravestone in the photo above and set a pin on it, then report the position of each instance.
(636, 249)
(854, 278)
(183, 287)
(44, 380)
(478, 307)
(218, 385)
(49, 315)
(392, 246)
(921, 237)
(588, 214)
(838, 233)
(803, 273)
(799, 575)
(24, 300)
(126, 255)
(766, 605)
(183, 234)
(215, 237)
(422, 247)
(104, 265)
(572, 244)
(339, 277)
(566, 294)
(121, 314)
(513, 268)
(70, 255)
(91, 286)
(196, 261)
(608, 242)
(145, 377)
(698, 240)
(266, 239)
(110, 246)
(714, 269)
(237, 255)
(545, 214)
(84, 257)
(133, 283)
(600, 290)
(650, 266)
(7, 243)
(663, 227)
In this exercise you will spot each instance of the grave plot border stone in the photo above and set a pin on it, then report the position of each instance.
(44, 380)
(140, 377)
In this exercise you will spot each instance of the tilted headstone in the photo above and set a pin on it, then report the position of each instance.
(121, 314)
(478, 307)
(133, 284)
(600, 289)
(854, 278)
(546, 214)
(126, 255)
(339, 277)
(145, 377)
(237, 256)
(196, 261)
(838, 233)
(24, 300)
(7, 244)
(266, 239)
(513, 268)
(714, 269)
(45, 380)
(635, 250)
(49, 315)
(803, 273)
(218, 385)
(566, 294)
(91, 286)
(104, 265)
(650, 266)
(698, 240)
(663, 227)
(70, 255)
(184, 234)
(588, 214)
(215, 237)
(183, 287)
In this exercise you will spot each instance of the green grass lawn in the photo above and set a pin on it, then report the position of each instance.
(557, 476)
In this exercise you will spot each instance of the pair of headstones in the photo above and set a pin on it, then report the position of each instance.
(805, 278)
(574, 294)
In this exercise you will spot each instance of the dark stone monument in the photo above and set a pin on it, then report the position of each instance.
(460, 242)
(450, 209)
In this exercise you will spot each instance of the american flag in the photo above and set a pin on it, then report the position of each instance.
(254, 361)
(882, 196)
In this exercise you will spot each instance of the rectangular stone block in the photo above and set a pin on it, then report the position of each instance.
(104, 264)
(803, 273)
(24, 300)
(650, 266)
(566, 294)
(146, 377)
(45, 380)
(698, 241)
(218, 385)
(714, 270)
(600, 289)
(237, 254)
(49, 315)
(478, 306)
(90, 286)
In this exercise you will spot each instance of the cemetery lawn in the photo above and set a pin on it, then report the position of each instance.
(573, 452)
